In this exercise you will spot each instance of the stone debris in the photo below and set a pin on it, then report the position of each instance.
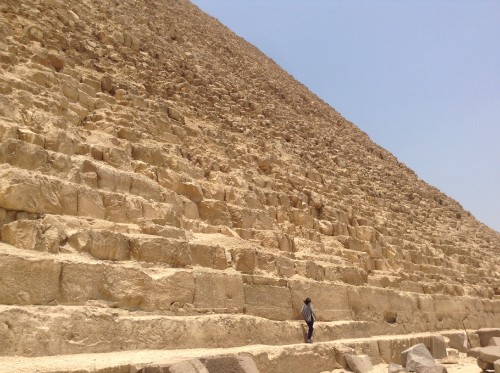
(359, 363)
(418, 359)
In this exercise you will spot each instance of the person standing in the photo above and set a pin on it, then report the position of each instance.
(309, 316)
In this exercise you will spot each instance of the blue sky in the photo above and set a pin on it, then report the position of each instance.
(420, 77)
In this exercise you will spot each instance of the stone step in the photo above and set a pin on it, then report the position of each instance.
(159, 185)
(29, 277)
(306, 358)
(60, 330)
(32, 192)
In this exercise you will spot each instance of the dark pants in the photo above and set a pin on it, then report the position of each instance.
(310, 332)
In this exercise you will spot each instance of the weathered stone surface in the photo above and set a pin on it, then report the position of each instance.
(496, 365)
(189, 366)
(418, 359)
(438, 347)
(485, 334)
(359, 363)
(230, 364)
(489, 354)
(396, 368)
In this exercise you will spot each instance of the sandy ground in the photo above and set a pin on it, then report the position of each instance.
(465, 365)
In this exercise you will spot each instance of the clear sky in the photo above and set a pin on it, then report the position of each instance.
(420, 77)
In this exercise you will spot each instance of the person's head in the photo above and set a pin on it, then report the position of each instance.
(307, 300)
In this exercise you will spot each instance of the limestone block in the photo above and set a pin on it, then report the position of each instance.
(359, 363)
(438, 347)
(188, 366)
(101, 244)
(23, 155)
(211, 256)
(32, 235)
(112, 179)
(452, 356)
(485, 335)
(145, 187)
(242, 217)
(24, 191)
(70, 90)
(244, 260)
(107, 84)
(124, 287)
(90, 203)
(489, 354)
(232, 364)
(161, 250)
(285, 266)
(418, 359)
(270, 302)
(302, 218)
(190, 210)
(157, 211)
(189, 189)
(494, 341)
(28, 280)
(330, 301)
(219, 291)
(457, 340)
(496, 365)
(484, 365)
(365, 233)
(214, 212)
(31, 137)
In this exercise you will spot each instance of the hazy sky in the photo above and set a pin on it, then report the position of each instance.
(420, 77)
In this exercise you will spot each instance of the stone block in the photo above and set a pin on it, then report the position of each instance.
(214, 212)
(489, 353)
(188, 366)
(124, 287)
(331, 301)
(438, 347)
(359, 363)
(494, 341)
(23, 155)
(244, 260)
(32, 235)
(485, 335)
(219, 291)
(419, 360)
(90, 203)
(211, 256)
(24, 191)
(160, 250)
(190, 190)
(230, 364)
(101, 244)
(28, 280)
(496, 365)
(270, 302)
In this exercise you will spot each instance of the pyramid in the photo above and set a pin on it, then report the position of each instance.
(169, 196)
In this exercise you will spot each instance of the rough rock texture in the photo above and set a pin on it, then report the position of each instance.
(359, 363)
(418, 359)
(164, 185)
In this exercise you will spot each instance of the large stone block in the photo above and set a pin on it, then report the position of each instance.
(214, 212)
(485, 334)
(221, 291)
(160, 250)
(271, 302)
(24, 191)
(27, 279)
(125, 287)
(331, 302)
(359, 363)
(33, 235)
(101, 244)
(212, 256)
(23, 155)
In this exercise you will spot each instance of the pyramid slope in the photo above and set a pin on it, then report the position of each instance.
(158, 173)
